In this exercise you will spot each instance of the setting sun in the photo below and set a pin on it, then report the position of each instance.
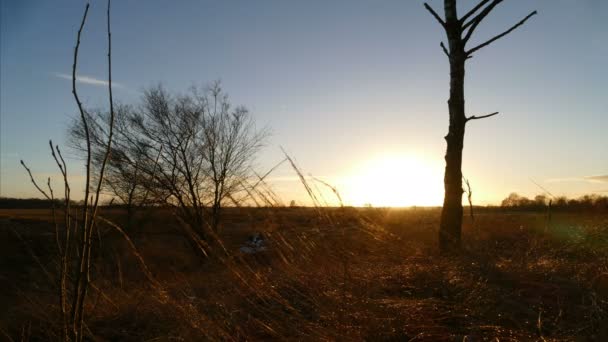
(395, 181)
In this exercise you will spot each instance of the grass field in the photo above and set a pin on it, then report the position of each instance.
(328, 274)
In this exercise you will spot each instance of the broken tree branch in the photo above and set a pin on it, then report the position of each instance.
(502, 34)
(445, 50)
(469, 193)
(434, 14)
(481, 117)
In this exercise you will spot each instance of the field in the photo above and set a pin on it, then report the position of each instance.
(327, 274)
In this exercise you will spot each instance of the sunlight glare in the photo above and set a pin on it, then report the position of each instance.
(396, 181)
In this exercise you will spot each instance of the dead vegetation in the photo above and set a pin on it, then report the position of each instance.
(382, 278)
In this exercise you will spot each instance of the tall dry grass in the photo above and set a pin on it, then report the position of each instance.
(329, 273)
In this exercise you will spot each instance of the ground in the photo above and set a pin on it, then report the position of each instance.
(328, 274)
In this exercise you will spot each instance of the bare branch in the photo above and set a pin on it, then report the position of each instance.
(82, 114)
(469, 193)
(478, 19)
(34, 182)
(445, 50)
(472, 11)
(55, 157)
(54, 213)
(65, 174)
(432, 11)
(484, 13)
(502, 34)
(481, 117)
(111, 124)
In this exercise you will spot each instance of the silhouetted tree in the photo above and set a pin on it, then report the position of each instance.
(190, 151)
(459, 31)
(124, 178)
(230, 141)
(512, 200)
(561, 202)
(541, 200)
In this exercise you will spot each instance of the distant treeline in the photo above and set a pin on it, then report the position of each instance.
(513, 201)
(28, 203)
(586, 202)
(38, 203)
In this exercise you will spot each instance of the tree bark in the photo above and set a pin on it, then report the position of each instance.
(451, 214)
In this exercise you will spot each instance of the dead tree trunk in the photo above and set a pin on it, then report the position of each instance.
(459, 31)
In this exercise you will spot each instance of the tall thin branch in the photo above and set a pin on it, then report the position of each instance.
(111, 130)
(54, 215)
(90, 226)
(82, 113)
(471, 51)
(59, 165)
(77, 300)
(64, 253)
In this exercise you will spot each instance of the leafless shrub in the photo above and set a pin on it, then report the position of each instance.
(192, 152)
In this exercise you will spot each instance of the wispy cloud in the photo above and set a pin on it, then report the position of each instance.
(88, 80)
(600, 178)
(565, 180)
(293, 178)
(590, 179)
(283, 179)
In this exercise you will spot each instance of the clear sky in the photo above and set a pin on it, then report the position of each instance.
(354, 90)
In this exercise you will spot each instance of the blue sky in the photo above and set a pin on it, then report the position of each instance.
(340, 83)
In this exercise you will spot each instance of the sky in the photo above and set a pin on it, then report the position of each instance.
(354, 90)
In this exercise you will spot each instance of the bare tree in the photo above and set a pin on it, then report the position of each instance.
(124, 179)
(230, 141)
(459, 31)
(190, 151)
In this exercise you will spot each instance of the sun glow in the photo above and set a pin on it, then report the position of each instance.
(396, 181)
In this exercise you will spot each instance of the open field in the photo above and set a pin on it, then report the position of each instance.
(333, 274)
(273, 171)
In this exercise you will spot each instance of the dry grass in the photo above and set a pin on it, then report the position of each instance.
(329, 274)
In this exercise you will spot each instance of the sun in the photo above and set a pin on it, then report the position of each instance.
(395, 181)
